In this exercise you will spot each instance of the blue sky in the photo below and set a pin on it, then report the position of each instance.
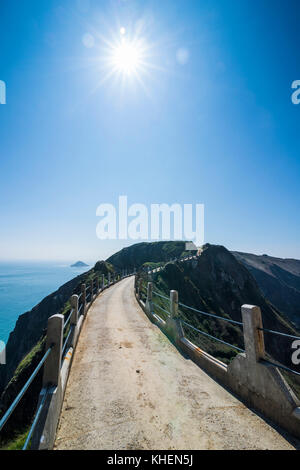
(218, 129)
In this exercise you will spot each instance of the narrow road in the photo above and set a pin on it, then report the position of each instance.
(129, 388)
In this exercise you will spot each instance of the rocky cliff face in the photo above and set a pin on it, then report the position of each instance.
(216, 282)
(31, 325)
(25, 349)
(279, 280)
(136, 255)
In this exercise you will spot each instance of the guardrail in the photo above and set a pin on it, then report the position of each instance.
(20, 395)
(188, 325)
(171, 260)
(61, 339)
(250, 374)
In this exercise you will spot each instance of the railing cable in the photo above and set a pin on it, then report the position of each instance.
(68, 319)
(23, 390)
(161, 308)
(66, 341)
(280, 366)
(279, 333)
(211, 315)
(160, 295)
(36, 418)
(212, 337)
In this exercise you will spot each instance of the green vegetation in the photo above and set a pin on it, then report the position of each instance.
(27, 361)
(66, 308)
(137, 255)
(293, 381)
(13, 435)
(17, 442)
(151, 265)
(217, 283)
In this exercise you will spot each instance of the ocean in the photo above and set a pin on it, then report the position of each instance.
(23, 285)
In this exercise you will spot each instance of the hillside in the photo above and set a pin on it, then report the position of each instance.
(216, 282)
(136, 255)
(25, 347)
(30, 327)
(279, 280)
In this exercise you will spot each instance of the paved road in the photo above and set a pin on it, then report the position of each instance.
(129, 388)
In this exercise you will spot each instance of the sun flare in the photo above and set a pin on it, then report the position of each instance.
(126, 57)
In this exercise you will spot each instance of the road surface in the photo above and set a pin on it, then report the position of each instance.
(129, 388)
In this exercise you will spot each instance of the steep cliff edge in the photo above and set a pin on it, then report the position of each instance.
(25, 348)
(216, 282)
(136, 255)
(31, 325)
(279, 280)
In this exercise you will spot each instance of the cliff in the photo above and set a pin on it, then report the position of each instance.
(25, 348)
(216, 282)
(136, 255)
(31, 325)
(279, 280)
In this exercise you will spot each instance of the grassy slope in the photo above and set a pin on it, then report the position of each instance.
(13, 435)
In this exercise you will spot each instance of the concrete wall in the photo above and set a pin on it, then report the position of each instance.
(261, 386)
(248, 376)
(56, 374)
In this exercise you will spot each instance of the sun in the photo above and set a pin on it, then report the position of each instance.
(126, 57)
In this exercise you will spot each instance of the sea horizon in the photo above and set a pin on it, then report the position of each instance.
(23, 284)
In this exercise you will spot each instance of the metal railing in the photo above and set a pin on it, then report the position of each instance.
(212, 337)
(279, 333)
(228, 320)
(162, 309)
(90, 291)
(20, 395)
(280, 366)
(170, 260)
(160, 295)
(187, 324)
(35, 421)
(188, 258)
(66, 342)
(68, 319)
(253, 375)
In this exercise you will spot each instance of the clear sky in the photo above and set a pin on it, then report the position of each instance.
(207, 118)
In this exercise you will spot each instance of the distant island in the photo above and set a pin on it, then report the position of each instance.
(79, 264)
